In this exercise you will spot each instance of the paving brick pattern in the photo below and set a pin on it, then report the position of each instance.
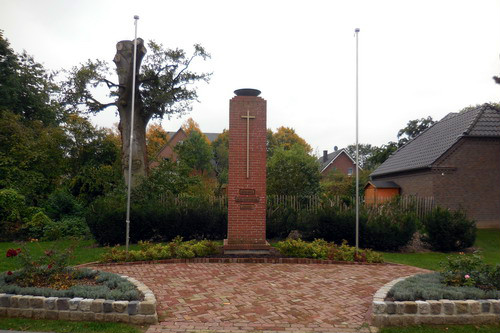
(194, 297)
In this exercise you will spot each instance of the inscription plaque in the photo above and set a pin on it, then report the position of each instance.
(247, 191)
(247, 207)
(247, 199)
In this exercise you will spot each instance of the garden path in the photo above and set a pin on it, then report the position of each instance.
(196, 297)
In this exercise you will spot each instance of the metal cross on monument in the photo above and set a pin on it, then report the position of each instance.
(248, 117)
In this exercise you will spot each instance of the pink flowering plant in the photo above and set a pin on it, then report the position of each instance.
(470, 270)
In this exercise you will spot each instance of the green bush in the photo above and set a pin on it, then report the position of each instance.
(389, 230)
(106, 219)
(470, 270)
(190, 217)
(321, 249)
(174, 249)
(68, 227)
(448, 231)
(335, 225)
(12, 211)
(61, 203)
(36, 226)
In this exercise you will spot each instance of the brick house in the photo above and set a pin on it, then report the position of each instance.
(167, 151)
(456, 161)
(338, 160)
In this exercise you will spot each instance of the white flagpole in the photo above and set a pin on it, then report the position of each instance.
(357, 148)
(127, 236)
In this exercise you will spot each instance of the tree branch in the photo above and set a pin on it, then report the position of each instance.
(110, 84)
(185, 67)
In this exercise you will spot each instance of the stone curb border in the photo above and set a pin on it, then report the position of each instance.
(238, 261)
(82, 309)
(437, 312)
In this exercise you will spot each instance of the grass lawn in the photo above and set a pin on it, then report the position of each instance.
(43, 325)
(487, 240)
(443, 329)
(85, 251)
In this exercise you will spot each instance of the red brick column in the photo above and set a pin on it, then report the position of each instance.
(247, 185)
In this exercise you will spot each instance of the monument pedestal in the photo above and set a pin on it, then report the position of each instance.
(246, 190)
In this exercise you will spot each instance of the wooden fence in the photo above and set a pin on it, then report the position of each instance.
(421, 205)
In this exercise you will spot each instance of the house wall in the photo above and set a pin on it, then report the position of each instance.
(168, 150)
(418, 183)
(475, 184)
(342, 163)
(469, 178)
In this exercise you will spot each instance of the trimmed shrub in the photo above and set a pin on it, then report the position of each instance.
(175, 249)
(106, 219)
(448, 231)
(321, 249)
(336, 226)
(192, 218)
(389, 231)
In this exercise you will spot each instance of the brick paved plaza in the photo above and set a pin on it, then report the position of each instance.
(197, 297)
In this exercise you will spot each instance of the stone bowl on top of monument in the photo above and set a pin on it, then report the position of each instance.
(247, 92)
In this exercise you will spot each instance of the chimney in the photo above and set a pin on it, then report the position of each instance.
(325, 155)
(335, 148)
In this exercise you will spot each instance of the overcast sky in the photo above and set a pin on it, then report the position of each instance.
(416, 58)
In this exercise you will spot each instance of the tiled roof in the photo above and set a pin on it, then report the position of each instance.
(383, 184)
(428, 146)
(330, 158)
(211, 136)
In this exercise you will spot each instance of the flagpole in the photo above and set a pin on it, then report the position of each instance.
(131, 142)
(357, 147)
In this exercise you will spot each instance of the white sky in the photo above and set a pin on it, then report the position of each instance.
(416, 58)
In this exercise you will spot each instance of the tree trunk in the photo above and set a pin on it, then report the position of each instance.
(124, 67)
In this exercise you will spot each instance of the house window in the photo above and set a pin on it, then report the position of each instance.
(349, 172)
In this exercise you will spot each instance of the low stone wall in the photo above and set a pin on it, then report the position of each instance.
(82, 309)
(438, 312)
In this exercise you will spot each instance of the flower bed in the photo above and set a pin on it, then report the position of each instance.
(437, 312)
(467, 291)
(82, 309)
(46, 288)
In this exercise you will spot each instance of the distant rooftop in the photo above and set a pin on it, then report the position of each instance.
(428, 146)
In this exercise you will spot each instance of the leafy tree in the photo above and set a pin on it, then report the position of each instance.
(164, 87)
(365, 152)
(195, 153)
(168, 178)
(292, 172)
(286, 138)
(32, 156)
(93, 158)
(380, 154)
(220, 147)
(26, 87)
(339, 184)
(156, 138)
(414, 128)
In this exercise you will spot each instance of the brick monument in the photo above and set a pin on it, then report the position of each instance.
(246, 230)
